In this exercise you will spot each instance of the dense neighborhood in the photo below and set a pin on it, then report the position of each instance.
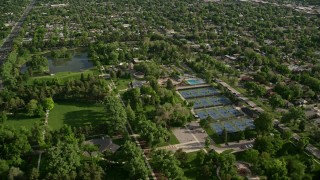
(155, 89)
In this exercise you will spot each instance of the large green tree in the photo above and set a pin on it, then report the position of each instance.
(131, 154)
(116, 114)
(167, 164)
(264, 123)
(63, 160)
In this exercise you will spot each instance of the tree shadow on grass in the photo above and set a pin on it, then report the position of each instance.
(76, 103)
(84, 117)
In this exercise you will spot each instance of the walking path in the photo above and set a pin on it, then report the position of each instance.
(192, 87)
(43, 135)
(135, 138)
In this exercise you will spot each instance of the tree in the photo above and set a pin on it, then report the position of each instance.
(13, 144)
(48, 104)
(152, 133)
(207, 142)
(181, 156)
(3, 117)
(130, 114)
(4, 168)
(133, 96)
(34, 174)
(205, 122)
(276, 101)
(32, 107)
(293, 115)
(135, 164)
(264, 123)
(117, 117)
(252, 156)
(242, 135)
(38, 63)
(269, 144)
(201, 156)
(168, 165)
(90, 171)
(302, 143)
(276, 169)
(296, 169)
(15, 173)
(63, 160)
(302, 125)
(225, 135)
(286, 135)
(226, 162)
(170, 85)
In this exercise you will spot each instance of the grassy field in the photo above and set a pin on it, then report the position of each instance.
(121, 83)
(64, 76)
(73, 114)
(21, 120)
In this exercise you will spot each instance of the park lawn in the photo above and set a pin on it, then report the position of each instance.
(21, 120)
(70, 113)
(64, 76)
(121, 83)
(76, 114)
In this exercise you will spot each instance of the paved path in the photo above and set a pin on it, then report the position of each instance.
(130, 131)
(234, 146)
(192, 87)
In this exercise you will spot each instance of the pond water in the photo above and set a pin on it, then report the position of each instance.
(78, 62)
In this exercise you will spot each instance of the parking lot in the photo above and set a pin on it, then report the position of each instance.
(183, 135)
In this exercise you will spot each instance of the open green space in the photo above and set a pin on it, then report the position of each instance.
(21, 120)
(70, 113)
(76, 114)
(64, 76)
(121, 83)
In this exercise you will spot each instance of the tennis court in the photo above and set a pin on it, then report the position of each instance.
(232, 126)
(198, 92)
(218, 112)
(209, 101)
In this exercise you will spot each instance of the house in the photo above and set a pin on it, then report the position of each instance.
(316, 121)
(136, 61)
(136, 84)
(230, 57)
(139, 75)
(104, 144)
(311, 114)
(249, 112)
(300, 102)
(246, 78)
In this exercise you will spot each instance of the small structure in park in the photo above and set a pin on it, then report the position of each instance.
(104, 144)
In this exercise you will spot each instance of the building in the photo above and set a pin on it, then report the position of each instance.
(104, 144)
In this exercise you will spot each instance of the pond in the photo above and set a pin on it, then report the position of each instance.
(78, 62)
